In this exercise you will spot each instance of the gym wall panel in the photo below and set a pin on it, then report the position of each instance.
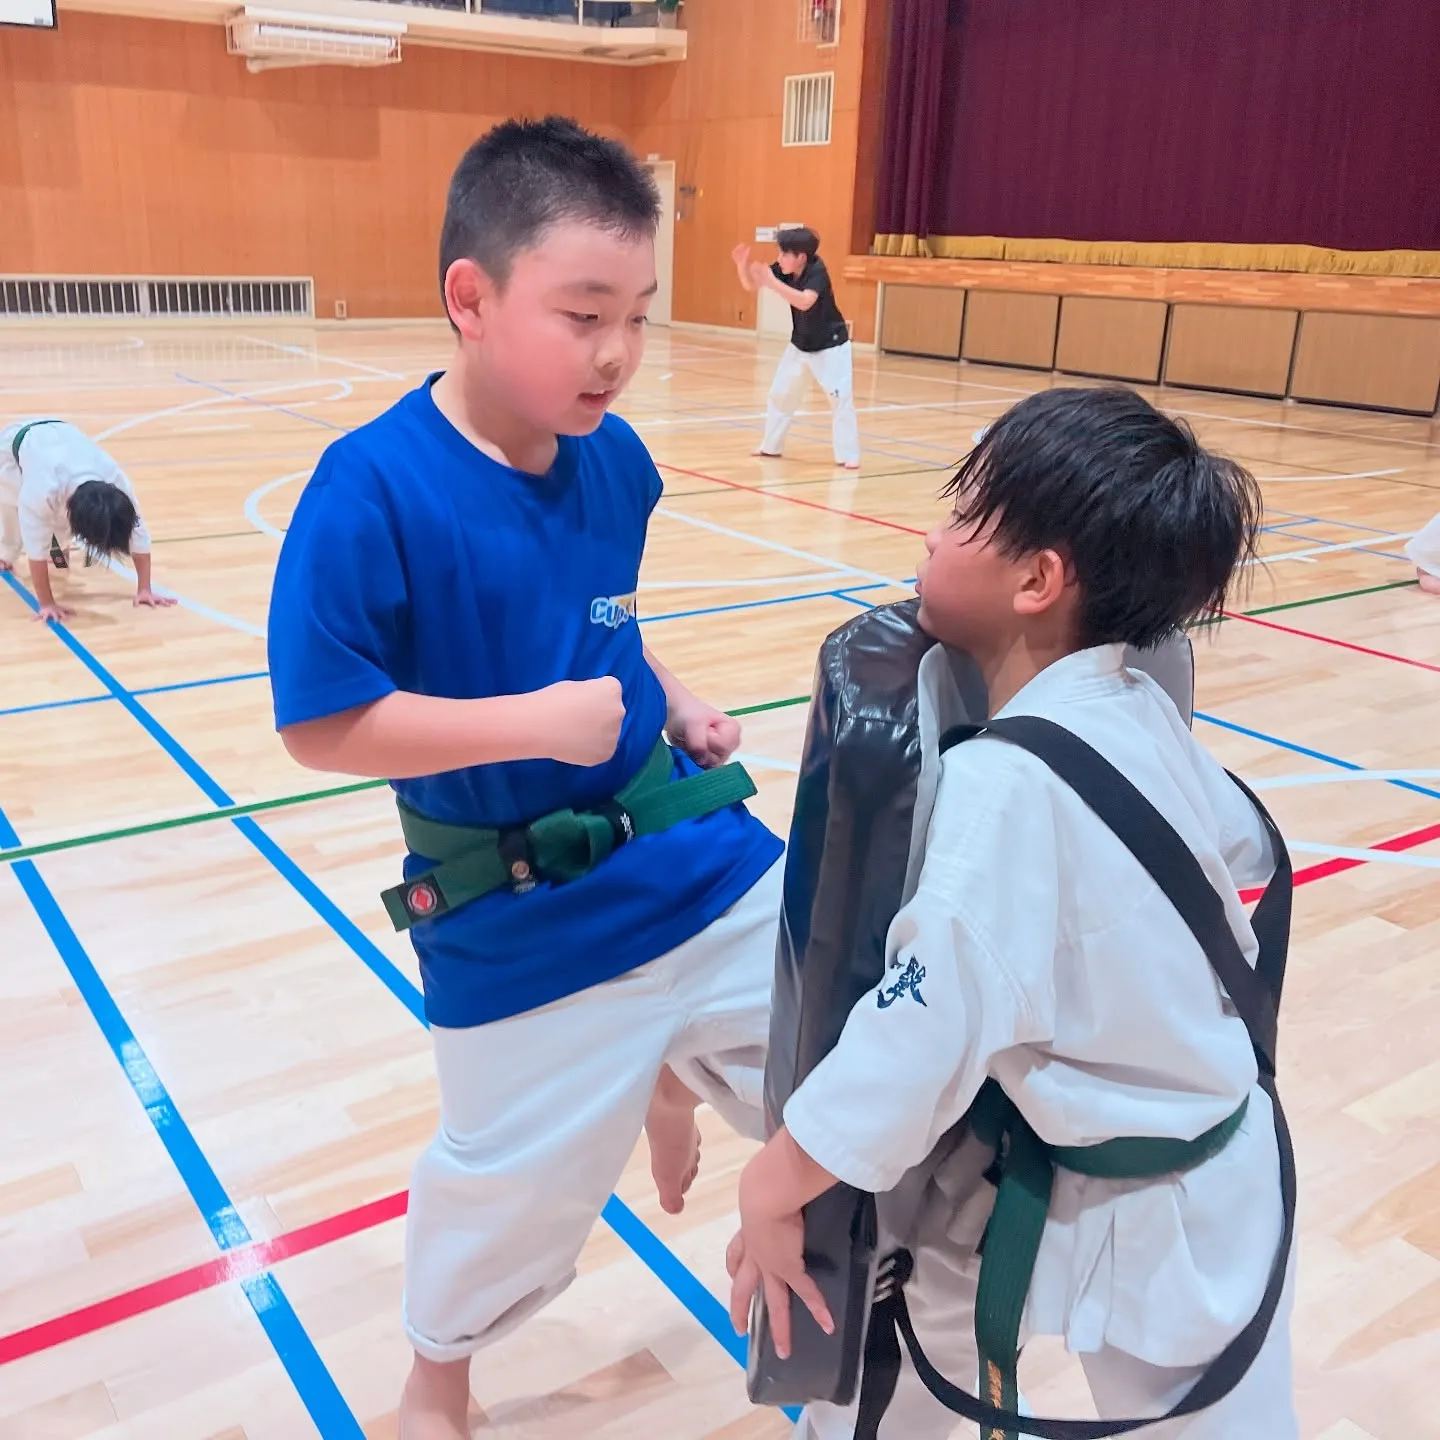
(1006, 328)
(140, 146)
(922, 320)
(1230, 347)
(1111, 339)
(718, 116)
(1387, 361)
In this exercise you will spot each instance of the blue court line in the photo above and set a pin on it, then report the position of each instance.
(383, 968)
(667, 1268)
(264, 674)
(296, 1351)
(759, 604)
(148, 690)
(1296, 519)
(1308, 752)
(263, 404)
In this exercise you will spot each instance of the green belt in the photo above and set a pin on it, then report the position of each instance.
(561, 846)
(23, 431)
(1024, 1172)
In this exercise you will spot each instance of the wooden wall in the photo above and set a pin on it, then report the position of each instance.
(718, 116)
(1208, 329)
(139, 146)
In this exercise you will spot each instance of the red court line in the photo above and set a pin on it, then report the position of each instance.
(791, 499)
(237, 1264)
(249, 1260)
(1331, 640)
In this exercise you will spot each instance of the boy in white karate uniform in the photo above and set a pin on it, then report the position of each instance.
(1036, 951)
(58, 485)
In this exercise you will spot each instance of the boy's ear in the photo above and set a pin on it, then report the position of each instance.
(1043, 579)
(467, 291)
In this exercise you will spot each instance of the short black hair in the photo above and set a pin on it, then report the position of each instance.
(524, 176)
(799, 240)
(1155, 526)
(103, 518)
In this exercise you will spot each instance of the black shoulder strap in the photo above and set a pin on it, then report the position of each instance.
(1256, 997)
(1153, 841)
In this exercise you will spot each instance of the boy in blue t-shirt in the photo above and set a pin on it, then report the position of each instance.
(454, 610)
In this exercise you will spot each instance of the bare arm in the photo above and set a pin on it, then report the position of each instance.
(707, 735)
(403, 735)
(764, 279)
(741, 256)
(677, 695)
(144, 591)
(40, 581)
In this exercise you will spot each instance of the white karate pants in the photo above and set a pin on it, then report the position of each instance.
(540, 1112)
(833, 370)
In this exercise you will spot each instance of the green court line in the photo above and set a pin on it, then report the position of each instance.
(218, 535)
(1339, 595)
(226, 812)
(256, 807)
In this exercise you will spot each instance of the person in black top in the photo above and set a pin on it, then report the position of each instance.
(819, 341)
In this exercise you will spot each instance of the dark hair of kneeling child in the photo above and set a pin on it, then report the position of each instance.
(102, 518)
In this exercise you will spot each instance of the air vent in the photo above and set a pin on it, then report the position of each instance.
(80, 297)
(818, 23)
(809, 100)
(279, 39)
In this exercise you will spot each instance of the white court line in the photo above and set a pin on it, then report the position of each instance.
(253, 499)
(721, 420)
(778, 548)
(316, 355)
(196, 607)
(1372, 542)
(1343, 777)
(1348, 852)
(764, 762)
(805, 579)
(1317, 479)
(209, 429)
(221, 399)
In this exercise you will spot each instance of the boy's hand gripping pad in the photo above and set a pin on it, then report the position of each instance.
(884, 693)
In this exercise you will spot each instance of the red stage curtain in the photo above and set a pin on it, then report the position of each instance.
(912, 112)
(1307, 122)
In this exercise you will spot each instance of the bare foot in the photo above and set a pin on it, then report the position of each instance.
(435, 1402)
(768, 454)
(1429, 583)
(852, 465)
(674, 1140)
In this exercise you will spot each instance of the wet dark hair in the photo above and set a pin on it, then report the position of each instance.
(1154, 526)
(799, 240)
(524, 176)
(103, 518)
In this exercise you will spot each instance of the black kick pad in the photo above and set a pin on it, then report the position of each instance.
(851, 843)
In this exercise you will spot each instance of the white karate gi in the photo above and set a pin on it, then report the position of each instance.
(1424, 549)
(833, 370)
(55, 460)
(1046, 957)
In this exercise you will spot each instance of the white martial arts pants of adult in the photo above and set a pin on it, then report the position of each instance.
(540, 1112)
(833, 370)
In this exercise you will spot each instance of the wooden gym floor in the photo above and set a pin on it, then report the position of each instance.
(209, 1033)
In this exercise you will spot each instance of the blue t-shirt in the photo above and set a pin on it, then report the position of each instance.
(415, 562)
